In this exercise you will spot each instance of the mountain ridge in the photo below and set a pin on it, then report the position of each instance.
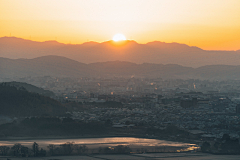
(57, 66)
(131, 51)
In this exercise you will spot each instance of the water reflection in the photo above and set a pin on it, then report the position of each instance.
(112, 141)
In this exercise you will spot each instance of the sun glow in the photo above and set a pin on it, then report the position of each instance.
(119, 37)
(210, 25)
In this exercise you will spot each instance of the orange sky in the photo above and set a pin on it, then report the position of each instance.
(208, 24)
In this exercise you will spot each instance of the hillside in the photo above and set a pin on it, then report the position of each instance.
(21, 103)
(57, 66)
(130, 51)
(30, 88)
(43, 66)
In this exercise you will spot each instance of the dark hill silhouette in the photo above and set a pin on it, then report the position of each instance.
(114, 67)
(122, 68)
(131, 51)
(21, 103)
(57, 66)
(89, 44)
(30, 88)
(172, 46)
(218, 72)
(43, 66)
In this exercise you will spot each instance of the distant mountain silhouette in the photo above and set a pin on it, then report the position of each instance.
(43, 66)
(92, 52)
(57, 66)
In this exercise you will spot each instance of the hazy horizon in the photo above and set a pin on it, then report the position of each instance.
(210, 25)
(110, 40)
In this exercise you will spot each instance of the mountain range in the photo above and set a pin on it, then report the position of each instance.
(58, 66)
(130, 51)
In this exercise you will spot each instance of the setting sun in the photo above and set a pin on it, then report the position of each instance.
(119, 37)
(209, 25)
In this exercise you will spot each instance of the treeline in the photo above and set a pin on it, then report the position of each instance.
(68, 148)
(52, 126)
(65, 126)
(108, 104)
(19, 102)
(225, 145)
(19, 150)
(170, 130)
(120, 149)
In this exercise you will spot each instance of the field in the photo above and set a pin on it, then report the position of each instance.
(149, 156)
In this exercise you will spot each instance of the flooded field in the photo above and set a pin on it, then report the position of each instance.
(153, 145)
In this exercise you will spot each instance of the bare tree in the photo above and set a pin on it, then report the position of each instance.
(35, 149)
(51, 148)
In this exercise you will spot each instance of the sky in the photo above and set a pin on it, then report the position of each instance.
(208, 24)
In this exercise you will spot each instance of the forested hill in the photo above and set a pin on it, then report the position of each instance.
(19, 102)
(31, 88)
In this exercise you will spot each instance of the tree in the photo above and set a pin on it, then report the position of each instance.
(127, 123)
(100, 149)
(35, 149)
(16, 149)
(107, 150)
(205, 147)
(51, 148)
(226, 137)
(217, 145)
(108, 123)
(24, 151)
(4, 150)
(67, 147)
(122, 149)
(80, 149)
(42, 153)
(84, 148)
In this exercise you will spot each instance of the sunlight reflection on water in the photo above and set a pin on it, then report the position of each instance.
(114, 141)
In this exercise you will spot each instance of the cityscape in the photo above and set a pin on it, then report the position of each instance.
(119, 80)
(208, 108)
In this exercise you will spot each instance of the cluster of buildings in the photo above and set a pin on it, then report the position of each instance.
(209, 108)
